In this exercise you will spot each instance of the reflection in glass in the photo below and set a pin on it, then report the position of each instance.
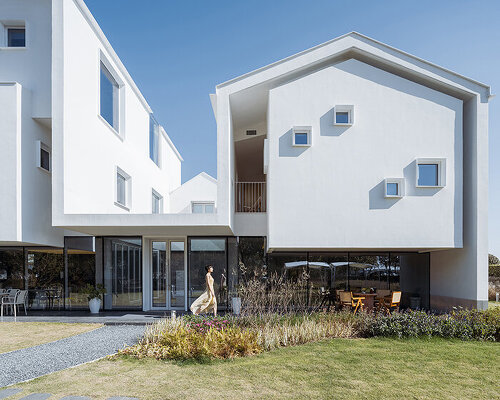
(159, 258)
(123, 273)
(177, 276)
(201, 253)
(327, 272)
(11, 268)
(45, 278)
(368, 271)
(81, 270)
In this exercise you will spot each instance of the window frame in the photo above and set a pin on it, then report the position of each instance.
(441, 173)
(128, 189)
(344, 108)
(153, 123)
(9, 28)
(39, 147)
(154, 194)
(401, 188)
(302, 129)
(204, 204)
(5, 26)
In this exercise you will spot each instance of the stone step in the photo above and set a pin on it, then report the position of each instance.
(75, 398)
(123, 398)
(4, 393)
(37, 396)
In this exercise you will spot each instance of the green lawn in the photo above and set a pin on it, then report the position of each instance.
(334, 369)
(492, 304)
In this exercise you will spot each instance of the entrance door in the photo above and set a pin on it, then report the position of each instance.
(169, 275)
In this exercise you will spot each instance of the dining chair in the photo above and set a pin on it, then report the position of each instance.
(348, 300)
(9, 300)
(390, 302)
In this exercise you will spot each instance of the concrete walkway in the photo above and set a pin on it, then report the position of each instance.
(32, 362)
(6, 393)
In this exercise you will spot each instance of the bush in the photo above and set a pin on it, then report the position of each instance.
(494, 271)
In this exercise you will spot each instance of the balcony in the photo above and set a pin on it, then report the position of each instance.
(250, 197)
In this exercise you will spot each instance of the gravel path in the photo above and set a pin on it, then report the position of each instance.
(32, 362)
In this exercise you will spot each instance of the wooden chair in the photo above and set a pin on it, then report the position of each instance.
(390, 302)
(348, 300)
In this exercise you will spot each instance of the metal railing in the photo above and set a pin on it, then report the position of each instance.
(250, 197)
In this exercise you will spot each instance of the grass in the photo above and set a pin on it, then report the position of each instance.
(338, 368)
(493, 304)
(18, 335)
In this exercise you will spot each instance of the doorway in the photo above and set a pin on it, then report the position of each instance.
(169, 275)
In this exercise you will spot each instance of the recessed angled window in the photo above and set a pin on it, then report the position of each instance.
(343, 115)
(109, 98)
(123, 189)
(156, 202)
(301, 135)
(43, 156)
(394, 187)
(16, 37)
(154, 140)
(202, 207)
(431, 172)
(251, 132)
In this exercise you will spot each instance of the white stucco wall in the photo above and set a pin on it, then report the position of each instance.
(201, 188)
(90, 150)
(342, 173)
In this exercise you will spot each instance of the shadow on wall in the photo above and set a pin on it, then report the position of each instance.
(410, 175)
(286, 149)
(326, 127)
(377, 199)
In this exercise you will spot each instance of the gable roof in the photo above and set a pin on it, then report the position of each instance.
(356, 45)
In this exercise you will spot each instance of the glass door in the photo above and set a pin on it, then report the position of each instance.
(168, 272)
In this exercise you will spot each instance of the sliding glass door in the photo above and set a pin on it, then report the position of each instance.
(169, 274)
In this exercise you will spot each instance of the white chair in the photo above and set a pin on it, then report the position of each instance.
(15, 298)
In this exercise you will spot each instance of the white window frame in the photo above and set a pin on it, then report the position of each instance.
(349, 109)
(203, 203)
(401, 188)
(118, 98)
(302, 129)
(441, 163)
(154, 193)
(128, 189)
(4, 37)
(39, 147)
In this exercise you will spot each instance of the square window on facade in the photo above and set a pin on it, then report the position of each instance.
(109, 97)
(392, 189)
(300, 138)
(428, 175)
(301, 135)
(342, 117)
(16, 37)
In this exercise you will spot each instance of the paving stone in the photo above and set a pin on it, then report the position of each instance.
(8, 392)
(36, 396)
(123, 398)
(76, 398)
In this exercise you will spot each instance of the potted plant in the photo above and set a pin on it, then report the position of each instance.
(94, 294)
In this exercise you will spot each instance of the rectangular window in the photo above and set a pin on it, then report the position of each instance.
(156, 202)
(203, 207)
(109, 94)
(342, 117)
(301, 135)
(121, 183)
(428, 175)
(392, 189)
(154, 135)
(16, 37)
(42, 156)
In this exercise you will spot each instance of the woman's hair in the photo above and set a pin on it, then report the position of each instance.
(207, 267)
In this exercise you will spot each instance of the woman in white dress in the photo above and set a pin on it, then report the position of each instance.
(207, 301)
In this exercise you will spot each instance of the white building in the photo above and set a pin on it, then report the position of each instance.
(358, 162)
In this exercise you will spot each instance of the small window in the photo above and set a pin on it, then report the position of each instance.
(203, 207)
(43, 156)
(109, 97)
(16, 37)
(394, 187)
(431, 172)
(157, 202)
(123, 189)
(251, 132)
(343, 115)
(302, 135)
(154, 140)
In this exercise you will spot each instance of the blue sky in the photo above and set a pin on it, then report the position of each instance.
(177, 51)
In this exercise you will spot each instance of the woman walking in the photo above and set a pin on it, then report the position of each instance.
(207, 301)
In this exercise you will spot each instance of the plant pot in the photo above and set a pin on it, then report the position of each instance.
(95, 305)
(236, 303)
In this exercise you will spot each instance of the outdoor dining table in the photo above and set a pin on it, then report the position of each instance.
(369, 300)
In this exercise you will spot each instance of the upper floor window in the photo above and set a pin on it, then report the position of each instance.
(43, 156)
(16, 37)
(394, 187)
(154, 140)
(343, 115)
(431, 172)
(205, 207)
(109, 98)
(123, 189)
(157, 202)
(302, 135)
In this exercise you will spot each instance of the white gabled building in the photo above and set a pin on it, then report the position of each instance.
(357, 162)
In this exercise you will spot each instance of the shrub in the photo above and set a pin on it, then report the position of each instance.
(493, 288)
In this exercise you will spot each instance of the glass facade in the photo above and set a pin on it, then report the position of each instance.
(123, 273)
(81, 270)
(12, 268)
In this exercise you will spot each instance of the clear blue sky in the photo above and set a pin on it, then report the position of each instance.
(177, 51)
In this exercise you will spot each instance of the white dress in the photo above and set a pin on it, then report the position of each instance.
(206, 302)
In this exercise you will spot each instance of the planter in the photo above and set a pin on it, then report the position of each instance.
(95, 305)
(236, 303)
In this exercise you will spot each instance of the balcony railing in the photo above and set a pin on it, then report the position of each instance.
(250, 197)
